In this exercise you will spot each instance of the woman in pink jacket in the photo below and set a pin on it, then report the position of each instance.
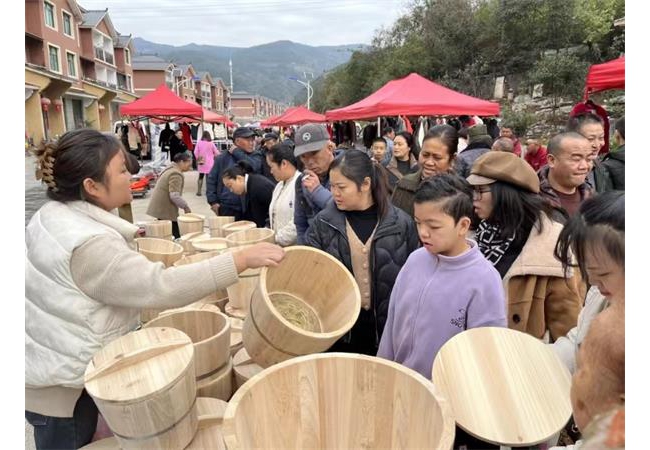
(204, 152)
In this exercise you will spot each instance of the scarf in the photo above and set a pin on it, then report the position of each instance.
(492, 247)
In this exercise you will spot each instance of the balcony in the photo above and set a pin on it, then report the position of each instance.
(103, 55)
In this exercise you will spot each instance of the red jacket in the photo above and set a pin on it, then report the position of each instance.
(537, 160)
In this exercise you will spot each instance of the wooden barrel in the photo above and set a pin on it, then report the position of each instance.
(302, 306)
(217, 296)
(159, 250)
(303, 403)
(210, 333)
(504, 387)
(240, 293)
(234, 227)
(217, 222)
(244, 368)
(217, 385)
(236, 340)
(190, 223)
(161, 229)
(186, 241)
(210, 245)
(210, 413)
(144, 384)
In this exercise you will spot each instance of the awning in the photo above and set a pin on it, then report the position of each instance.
(163, 104)
(609, 75)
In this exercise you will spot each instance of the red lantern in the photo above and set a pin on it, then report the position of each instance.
(58, 104)
(45, 103)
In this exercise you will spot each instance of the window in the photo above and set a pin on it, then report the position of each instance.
(67, 24)
(55, 65)
(127, 56)
(50, 15)
(72, 64)
(129, 83)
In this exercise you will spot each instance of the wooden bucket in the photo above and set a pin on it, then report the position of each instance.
(244, 368)
(240, 293)
(218, 296)
(303, 403)
(236, 339)
(210, 245)
(161, 229)
(217, 222)
(144, 384)
(210, 413)
(159, 250)
(190, 223)
(234, 227)
(218, 385)
(210, 333)
(192, 306)
(302, 306)
(504, 386)
(186, 241)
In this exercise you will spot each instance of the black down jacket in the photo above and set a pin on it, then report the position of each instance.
(394, 240)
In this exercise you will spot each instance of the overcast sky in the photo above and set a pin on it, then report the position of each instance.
(244, 23)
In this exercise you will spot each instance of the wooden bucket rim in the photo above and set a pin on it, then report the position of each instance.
(191, 217)
(224, 330)
(239, 223)
(177, 247)
(265, 296)
(203, 254)
(199, 243)
(234, 243)
(448, 421)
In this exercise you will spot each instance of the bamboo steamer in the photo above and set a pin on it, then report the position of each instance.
(210, 333)
(210, 413)
(234, 227)
(210, 245)
(161, 229)
(302, 403)
(159, 250)
(504, 386)
(316, 289)
(236, 340)
(217, 222)
(144, 384)
(244, 368)
(218, 296)
(190, 223)
(217, 385)
(186, 241)
(240, 293)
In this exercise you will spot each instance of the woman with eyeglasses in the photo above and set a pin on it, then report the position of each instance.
(517, 235)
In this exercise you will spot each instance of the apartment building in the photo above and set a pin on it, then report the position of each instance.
(149, 72)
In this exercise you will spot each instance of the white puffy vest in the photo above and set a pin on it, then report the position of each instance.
(63, 326)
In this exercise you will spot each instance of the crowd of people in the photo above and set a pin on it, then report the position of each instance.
(461, 230)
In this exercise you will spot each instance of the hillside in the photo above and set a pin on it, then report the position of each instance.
(262, 69)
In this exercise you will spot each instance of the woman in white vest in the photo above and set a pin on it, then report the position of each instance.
(283, 165)
(85, 284)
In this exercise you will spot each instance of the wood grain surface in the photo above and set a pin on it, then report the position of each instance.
(159, 250)
(505, 387)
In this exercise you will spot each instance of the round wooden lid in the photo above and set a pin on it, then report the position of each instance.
(190, 217)
(139, 364)
(191, 237)
(210, 410)
(505, 387)
(210, 244)
(244, 365)
(238, 226)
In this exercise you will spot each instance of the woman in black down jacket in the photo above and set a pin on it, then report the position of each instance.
(256, 191)
(372, 238)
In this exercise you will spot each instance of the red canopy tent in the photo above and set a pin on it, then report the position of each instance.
(161, 104)
(414, 95)
(609, 75)
(297, 115)
(270, 121)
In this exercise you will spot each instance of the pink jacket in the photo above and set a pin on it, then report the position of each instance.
(208, 151)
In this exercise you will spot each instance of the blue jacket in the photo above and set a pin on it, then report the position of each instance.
(216, 192)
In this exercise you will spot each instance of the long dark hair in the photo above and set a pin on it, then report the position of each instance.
(601, 219)
(515, 209)
(356, 166)
(238, 170)
(77, 155)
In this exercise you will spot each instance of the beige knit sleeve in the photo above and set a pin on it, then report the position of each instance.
(108, 271)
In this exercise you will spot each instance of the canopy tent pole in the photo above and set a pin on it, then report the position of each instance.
(378, 126)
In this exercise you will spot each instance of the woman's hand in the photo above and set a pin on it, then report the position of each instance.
(258, 255)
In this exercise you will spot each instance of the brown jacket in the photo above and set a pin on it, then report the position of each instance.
(161, 206)
(404, 193)
(539, 297)
(394, 174)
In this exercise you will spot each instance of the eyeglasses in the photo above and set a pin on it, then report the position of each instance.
(479, 191)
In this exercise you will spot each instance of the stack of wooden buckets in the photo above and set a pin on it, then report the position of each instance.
(150, 384)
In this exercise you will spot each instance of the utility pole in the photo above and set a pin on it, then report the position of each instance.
(231, 91)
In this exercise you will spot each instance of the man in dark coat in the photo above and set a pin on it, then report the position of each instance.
(614, 161)
(479, 142)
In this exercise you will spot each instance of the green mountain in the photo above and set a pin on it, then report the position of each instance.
(262, 69)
